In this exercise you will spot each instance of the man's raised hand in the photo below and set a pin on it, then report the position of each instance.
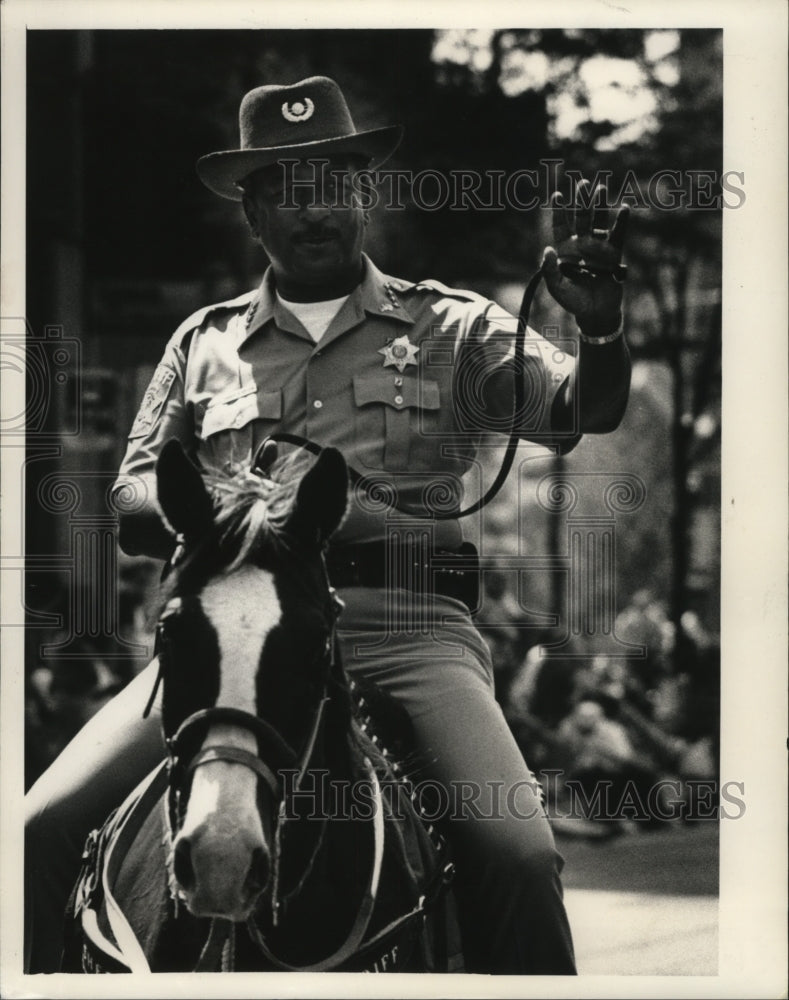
(583, 270)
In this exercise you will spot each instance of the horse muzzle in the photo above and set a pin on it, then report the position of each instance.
(221, 853)
(221, 876)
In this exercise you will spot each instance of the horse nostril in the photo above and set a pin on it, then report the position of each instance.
(182, 864)
(259, 871)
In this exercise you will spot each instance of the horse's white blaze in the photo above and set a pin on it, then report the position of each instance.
(242, 609)
(222, 821)
(224, 829)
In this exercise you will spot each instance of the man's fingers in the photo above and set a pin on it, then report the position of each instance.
(600, 216)
(550, 262)
(561, 225)
(617, 237)
(583, 208)
(550, 269)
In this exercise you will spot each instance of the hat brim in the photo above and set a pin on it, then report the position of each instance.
(223, 172)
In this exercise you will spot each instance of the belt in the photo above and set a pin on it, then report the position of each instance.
(448, 573)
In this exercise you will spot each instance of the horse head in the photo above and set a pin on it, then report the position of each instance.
(246, 647)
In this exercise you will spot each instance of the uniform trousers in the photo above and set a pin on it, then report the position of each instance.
(509, 894)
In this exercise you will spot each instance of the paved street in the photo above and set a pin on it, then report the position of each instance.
(644, 903)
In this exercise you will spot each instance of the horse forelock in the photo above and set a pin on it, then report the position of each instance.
(241, 576)
(250, 517)
(249, 512)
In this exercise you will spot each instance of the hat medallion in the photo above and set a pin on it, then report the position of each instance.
(299, 111)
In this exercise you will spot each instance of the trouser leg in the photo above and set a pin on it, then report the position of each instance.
(104, 762)
(508, 890)
(509, 894)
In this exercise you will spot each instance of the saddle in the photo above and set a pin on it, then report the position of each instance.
(87, 948)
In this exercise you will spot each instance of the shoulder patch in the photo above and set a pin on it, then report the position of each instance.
(152, 402)
(431, 285)
(197, 319)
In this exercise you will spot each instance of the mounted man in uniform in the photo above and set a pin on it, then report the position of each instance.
(403, 378)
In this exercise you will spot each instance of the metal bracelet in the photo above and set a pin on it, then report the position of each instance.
(608, 338)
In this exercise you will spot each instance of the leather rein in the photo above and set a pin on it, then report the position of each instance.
(571, 266)
(358, 479)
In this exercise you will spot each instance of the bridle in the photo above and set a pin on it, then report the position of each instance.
(182, 763)
(275, 757)
(275, 754)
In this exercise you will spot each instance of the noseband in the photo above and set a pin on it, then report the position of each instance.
(182, 762)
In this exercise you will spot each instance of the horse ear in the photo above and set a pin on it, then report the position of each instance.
(181, 491)
(321, 499)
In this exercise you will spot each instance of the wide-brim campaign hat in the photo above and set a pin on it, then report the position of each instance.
(305, 119)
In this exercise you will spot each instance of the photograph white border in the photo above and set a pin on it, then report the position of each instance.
(752, 933)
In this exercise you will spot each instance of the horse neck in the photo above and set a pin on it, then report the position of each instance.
(336, 762)
(336, 750)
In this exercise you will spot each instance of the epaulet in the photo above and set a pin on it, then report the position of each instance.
(431, 285)
(197, 319)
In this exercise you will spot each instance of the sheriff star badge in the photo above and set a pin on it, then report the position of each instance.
(399, 352)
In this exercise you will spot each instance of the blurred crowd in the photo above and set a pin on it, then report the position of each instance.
(619, 742)
(69, 676)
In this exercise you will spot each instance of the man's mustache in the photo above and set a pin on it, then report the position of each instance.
(316, 233)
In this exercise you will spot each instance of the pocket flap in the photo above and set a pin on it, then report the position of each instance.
(231, 413)
(380, 388)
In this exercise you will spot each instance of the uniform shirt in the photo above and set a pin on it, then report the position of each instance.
(404, 382)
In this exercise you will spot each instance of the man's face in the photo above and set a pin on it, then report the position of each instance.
(311, 225)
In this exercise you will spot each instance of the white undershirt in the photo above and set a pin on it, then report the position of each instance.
(314, 316)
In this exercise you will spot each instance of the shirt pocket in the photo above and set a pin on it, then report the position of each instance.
(391, 420)
(235, 423)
